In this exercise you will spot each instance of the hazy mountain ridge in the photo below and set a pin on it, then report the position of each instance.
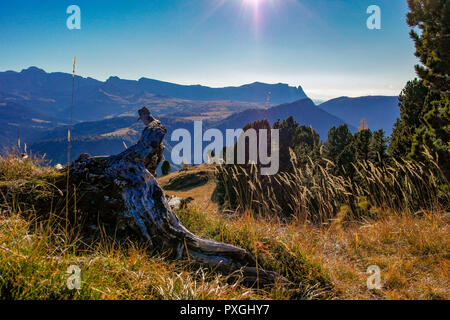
(254, 92)
(92, 137)
(37, 103)
(102, 137)
(304, 111)
(380, 112)
(25, 122)
(52, 93)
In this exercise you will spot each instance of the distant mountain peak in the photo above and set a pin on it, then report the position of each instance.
(304, 111)
(380, 112)
(91, 105)
(33, 69)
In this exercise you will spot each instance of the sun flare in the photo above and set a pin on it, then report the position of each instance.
(254, 2)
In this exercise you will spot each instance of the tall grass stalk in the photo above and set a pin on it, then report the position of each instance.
(315, 193)
(69, 138)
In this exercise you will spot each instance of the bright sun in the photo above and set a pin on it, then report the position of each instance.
(253, 1)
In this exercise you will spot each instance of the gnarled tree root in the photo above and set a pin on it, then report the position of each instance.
(122, 194)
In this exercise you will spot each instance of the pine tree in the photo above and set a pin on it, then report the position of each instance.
(411, 102)
(433, 50)
(362, 140)
(340, 149)
(257, 125)
(306, 145)
(287, 135)
(377, 147)
(433, 43)
(165, 167)
(303, 140)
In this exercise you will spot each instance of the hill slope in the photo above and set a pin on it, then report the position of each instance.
(305, 112)
(25, 122)
(380, 112)
(103, 137)
(321, 262)
(107, 136)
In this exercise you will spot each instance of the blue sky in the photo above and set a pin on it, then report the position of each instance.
(322, 45)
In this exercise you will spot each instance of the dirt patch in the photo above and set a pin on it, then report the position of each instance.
(188, 178)
(197, 182)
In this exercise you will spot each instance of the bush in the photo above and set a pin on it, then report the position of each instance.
(165, 167)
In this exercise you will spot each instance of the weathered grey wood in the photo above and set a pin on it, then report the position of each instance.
(123, 191)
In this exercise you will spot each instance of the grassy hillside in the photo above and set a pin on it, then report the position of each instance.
(320, 261)
(197, 182)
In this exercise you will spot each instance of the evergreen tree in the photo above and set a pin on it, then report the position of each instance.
(165, 167)
(362, 140)
(411, 102)
(433, 43)
(306, 145)
(257, 125)
(303, 140)
(377, 147)
(287, 134)
(339, 148)
(433, 50)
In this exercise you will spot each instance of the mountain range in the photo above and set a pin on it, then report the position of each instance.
(52, 93)
(23, 122)
(304, 111)
(109, 135)
(36, 105)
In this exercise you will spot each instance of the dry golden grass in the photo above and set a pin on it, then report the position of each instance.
(318, 193)
(14, 168)
(413, 252)
(321, 261)
(33, 266)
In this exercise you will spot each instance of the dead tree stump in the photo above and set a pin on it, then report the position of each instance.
(121, 193)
